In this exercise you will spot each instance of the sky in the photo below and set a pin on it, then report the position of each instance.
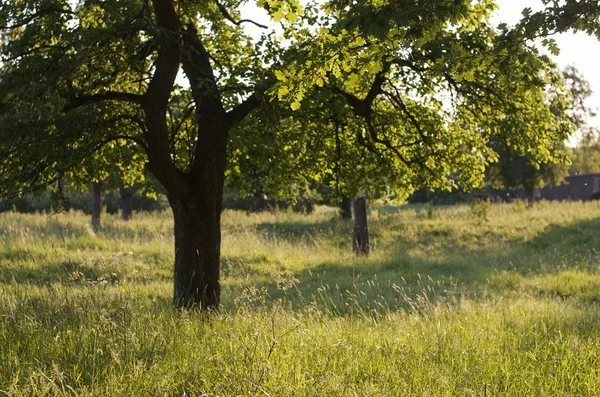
(576, 49)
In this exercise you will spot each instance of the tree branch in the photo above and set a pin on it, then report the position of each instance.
(357, 104)
(363, 107)
(141, 125)
(237, 114)
(377, 85)
(169, 53)
(228, 16)
(199, 71)
(37, 49)
(156, 101)
(397, 100)
(78, 101)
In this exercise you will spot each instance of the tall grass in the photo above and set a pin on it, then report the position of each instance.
(452, 301)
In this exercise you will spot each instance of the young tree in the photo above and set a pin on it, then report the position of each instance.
(72, 71)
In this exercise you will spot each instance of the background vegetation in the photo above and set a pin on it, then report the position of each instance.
(466, 300)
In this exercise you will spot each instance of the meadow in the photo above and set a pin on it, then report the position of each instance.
(484, 300)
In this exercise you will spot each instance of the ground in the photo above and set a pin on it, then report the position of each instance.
(484, 300)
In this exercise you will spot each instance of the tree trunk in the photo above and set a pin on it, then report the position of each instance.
(96, 204)
(360, 241)
(195, 195)
(310, 207)
(346, 208)
(127, 202)
(197, 252)
(530, 194)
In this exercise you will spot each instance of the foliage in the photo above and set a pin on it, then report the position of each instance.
(71, 199)
(97, 60)
(586, 158)
(416, 61)
(557, 17)
(518, 170)
(444, 303)
(434, 92)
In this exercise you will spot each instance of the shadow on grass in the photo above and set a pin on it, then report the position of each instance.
(559, 262)
(569, 239)
(55, 271)
(243, 266)
(42, 270)
(296, 232)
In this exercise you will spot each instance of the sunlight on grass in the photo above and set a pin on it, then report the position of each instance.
(450, 303)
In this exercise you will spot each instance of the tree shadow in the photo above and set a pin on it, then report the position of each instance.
(400, 279)
(243, 266)
(112, 268)
(298, 232)
(559, 262)
(53, 271)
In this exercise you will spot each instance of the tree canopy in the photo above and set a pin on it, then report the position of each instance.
(412, 101)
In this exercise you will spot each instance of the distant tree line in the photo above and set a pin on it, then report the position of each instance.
(72, 199)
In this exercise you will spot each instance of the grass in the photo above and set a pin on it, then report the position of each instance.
(491, 300)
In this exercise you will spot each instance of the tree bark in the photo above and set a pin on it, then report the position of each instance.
(198, 229)
(197, 219)
(346, 208)
(530, 194)
(127, 202)
(197, 210)
(96, 204)
(310, 207)
(197, 253)
(360, 241)
(195, 195)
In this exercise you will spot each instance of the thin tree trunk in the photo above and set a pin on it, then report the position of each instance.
(360, 241)
(310, 207)
(127, 202)
(530, 194)
(346, 207)
(96, 204)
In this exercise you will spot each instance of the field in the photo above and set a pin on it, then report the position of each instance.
(460, 301)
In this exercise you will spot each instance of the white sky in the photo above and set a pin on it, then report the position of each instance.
(577, 49)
